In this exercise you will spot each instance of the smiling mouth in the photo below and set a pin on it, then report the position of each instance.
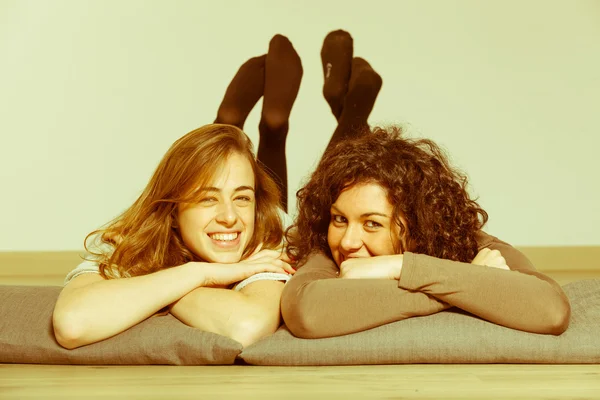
(224, 237)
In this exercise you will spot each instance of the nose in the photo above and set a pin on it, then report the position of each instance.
(352, 239)
(226, 214)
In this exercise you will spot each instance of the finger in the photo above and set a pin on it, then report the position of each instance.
(284, 256)
(491, 258)
(287, 267)
(272, 268)
(267, 253)
(271, 253)
(259, 268)
(263, 258)
(497, 260)
(483, 252)
(503, 263)
(495, 253)
(256, 251)
(344, 268)
(499, 265)
(282, 264)
(480, 256)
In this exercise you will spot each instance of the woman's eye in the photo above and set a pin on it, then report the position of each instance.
(243, 199)
(208, 200)
(338, 219)
(373, 224)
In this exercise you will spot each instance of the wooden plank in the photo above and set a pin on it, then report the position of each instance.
(564, 258)
(42, 263)
(489, 381)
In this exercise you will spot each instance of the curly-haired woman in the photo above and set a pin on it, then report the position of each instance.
(386, 230)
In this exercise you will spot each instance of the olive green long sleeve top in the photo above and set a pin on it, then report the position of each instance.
(317, 303)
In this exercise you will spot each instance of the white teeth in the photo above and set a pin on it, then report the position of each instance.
(224, 237)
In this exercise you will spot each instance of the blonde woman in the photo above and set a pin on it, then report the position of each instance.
(208, 218)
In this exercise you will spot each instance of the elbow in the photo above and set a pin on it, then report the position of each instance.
(250, 329)
(68, 330)
(551, 317)
(300, 323)
(559, 318)
(304, 329)
(304, 314)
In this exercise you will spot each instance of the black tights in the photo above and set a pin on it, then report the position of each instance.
(351, 87)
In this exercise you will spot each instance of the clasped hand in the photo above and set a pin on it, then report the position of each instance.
(222, 275)
(378, 267)
(390, 266)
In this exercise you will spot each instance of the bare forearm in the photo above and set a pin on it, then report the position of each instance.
(106, 307)
(202, 309)
(245, 316)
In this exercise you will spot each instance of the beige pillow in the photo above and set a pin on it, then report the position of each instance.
(446, 337)
(26, 336)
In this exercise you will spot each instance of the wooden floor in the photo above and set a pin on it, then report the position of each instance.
(377, 382)
(490, 381)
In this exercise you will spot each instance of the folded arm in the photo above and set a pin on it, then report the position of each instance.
(316, 303)
(520, 298)
(91, 308)
(245, 316)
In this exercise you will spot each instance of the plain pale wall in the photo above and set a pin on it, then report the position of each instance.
(92, 94)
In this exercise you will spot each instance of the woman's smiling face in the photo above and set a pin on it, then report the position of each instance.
(362, 224)
(220, 225)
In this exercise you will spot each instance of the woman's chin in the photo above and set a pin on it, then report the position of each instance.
(225, 257)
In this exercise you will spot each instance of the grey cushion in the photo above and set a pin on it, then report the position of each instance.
(446, 337)
(26, 336)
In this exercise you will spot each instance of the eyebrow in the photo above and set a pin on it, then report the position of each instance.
(214, 189)
(365, 215)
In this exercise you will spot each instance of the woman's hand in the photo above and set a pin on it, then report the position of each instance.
(378, 267)
(490, 258)
(217, 274)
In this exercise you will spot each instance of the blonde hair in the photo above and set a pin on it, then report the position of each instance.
(145, 237)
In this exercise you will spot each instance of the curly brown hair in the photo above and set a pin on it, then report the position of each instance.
(442, 220)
